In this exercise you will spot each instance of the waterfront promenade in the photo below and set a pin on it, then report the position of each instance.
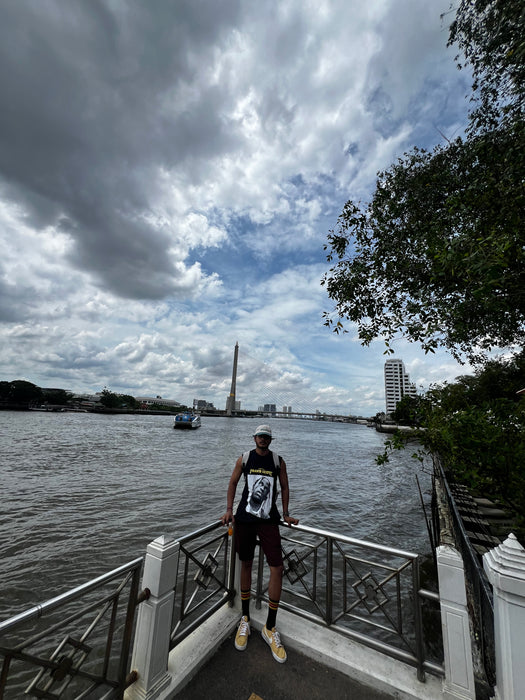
(322, 664)
(254, 674)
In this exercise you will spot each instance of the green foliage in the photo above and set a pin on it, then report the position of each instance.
(57, 396)
(438, 254)
(483, 447)
(490, 35)
(20, 392)
(127, 401)
(109, 399)
(409, 411)
(397, 441)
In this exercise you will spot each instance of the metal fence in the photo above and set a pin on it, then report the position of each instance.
(205, 579)
(76, 645)
(368, 592)
(478, 587)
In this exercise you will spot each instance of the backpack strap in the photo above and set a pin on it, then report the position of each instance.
(276, 460)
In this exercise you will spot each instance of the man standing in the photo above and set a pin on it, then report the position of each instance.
(257, 516)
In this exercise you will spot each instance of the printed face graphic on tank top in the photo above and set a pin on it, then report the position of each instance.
(260, 495)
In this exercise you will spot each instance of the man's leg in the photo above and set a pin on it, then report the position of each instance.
(246, 585)
(269, 633)
(270, 539)
(245, 544)
(271, 543)
(274, 594)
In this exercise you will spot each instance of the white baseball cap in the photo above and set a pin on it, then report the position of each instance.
(263, 430)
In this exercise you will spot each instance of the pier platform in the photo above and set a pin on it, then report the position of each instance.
(321, 665)
(254, 675)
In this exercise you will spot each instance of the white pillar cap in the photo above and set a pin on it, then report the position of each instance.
(505, 566)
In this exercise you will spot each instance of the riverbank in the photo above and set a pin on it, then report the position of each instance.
(392, 428)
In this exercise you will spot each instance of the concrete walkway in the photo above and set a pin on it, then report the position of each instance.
(254, 675)
(322, 664)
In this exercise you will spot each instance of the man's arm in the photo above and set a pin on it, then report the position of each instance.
(230, 495)
(285, 494)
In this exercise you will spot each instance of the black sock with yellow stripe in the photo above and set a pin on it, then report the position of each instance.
(273, 606)
(245, 602)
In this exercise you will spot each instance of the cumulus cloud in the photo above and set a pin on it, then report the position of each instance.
(168, 174)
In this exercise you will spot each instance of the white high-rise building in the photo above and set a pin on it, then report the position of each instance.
(397, 384)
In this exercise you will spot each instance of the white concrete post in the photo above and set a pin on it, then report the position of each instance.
(459, 671)
(505, 569)
(152, 638)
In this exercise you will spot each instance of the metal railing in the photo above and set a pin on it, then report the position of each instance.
(205, 579)
(76, 645)
(79, 643)
(479, 588)
(366, 591)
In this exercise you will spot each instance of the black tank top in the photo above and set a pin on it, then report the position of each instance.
(258, 500)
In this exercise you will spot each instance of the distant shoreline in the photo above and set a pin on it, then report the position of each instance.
(144, 411)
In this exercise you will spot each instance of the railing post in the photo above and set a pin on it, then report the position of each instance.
(505, 569)
(234, 574)
(329, 579)
(418, 621)
(152, 638)
(459, 672)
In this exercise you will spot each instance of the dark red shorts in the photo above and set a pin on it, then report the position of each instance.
(269, 536)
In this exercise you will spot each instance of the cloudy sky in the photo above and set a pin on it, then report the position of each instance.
(169, 172)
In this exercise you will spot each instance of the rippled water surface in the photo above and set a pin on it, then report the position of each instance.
(83, 493)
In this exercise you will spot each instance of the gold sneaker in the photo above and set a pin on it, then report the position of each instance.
(273, 639)
(243, 631)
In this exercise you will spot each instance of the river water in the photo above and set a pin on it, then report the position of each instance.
(84, 493)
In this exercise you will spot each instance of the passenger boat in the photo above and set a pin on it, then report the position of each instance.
(187, 421)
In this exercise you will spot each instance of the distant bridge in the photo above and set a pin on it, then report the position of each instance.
(306, 415)
(271, 379)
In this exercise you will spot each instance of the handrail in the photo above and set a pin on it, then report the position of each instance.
(53, 603)
(357, 590)
(204, 580)
(360, 589)
(352, 540)
(201, 531)
(74, 650)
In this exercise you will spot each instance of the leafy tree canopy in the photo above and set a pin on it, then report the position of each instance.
(409, 410)
(57, 396)
(110, 399)
(438, 254)
(490, 35)
(20, 392)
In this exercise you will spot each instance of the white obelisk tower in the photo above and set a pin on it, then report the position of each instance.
(230, 401)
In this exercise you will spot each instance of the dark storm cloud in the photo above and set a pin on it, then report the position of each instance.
(11, 307)
(90, 117)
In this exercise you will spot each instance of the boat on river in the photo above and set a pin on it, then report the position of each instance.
(187, 421)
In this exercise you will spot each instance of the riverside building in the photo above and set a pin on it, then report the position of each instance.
(397, 384)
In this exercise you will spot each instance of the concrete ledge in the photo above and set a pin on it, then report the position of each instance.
(364, 665)
(193, 652)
